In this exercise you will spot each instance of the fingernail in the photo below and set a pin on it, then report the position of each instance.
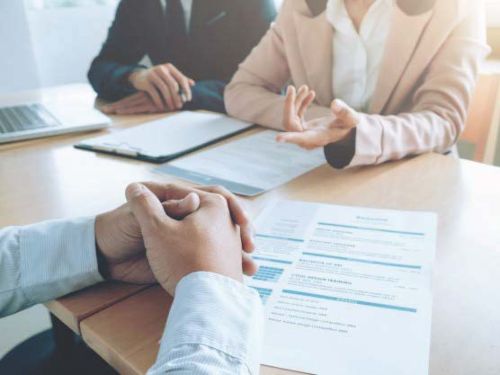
(135, 190)
(195, 199)
(251, 229)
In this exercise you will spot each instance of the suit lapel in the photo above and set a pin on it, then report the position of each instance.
(315, 42)
(401, 43)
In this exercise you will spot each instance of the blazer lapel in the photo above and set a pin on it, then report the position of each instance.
(401, 43)
(315, 42)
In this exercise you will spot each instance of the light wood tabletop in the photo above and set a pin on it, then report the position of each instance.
(48, 178)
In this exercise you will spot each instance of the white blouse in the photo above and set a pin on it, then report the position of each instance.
(357, 56)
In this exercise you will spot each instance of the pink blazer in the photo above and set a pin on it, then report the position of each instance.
(426, 79)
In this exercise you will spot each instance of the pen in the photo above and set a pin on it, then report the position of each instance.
(182, 95)
(216, 18)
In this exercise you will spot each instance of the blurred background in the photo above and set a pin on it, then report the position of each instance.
(56, 39)
(51, 42)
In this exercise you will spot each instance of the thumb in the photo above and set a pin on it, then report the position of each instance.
(146, 207)
(180, 208)
(344, 113)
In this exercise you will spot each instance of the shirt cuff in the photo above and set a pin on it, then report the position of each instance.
(218, 312)
(368, 141)
(339, 154)
(57, 257)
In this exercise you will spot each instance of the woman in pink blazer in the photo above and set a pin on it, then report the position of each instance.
(379, 80)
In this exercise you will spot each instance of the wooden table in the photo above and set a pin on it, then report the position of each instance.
(43, 179)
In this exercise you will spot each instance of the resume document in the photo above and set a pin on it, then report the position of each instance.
(347, 290)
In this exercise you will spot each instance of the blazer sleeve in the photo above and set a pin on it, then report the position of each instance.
(439, 110)
(122, 51)
(255, 92)
(208, 96)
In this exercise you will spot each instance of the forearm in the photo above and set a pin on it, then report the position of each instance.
(250, 98)
(110, 79)
(207, 95)
(44, 261)
(378, 138)
(435, 114)
(214, 327)
(382, 138)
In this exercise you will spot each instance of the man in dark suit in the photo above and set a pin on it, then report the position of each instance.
(195, 47)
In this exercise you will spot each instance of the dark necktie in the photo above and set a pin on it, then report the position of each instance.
(177, 37)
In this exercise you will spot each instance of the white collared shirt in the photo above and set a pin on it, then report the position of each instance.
(357, 56)
(187, 5)
(215, 325)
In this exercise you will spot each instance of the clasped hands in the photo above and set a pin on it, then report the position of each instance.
(318, 132)
(165, 232)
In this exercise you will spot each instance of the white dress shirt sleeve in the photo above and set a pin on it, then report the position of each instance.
(44, 261)
(214, 327)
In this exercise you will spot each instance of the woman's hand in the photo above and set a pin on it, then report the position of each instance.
(318, 132)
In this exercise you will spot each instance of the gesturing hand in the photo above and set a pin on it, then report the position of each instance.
(134, 104)
(206, 240)
(162, 83)
(319, 132)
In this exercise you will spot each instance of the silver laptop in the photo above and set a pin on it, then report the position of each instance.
(36, 120)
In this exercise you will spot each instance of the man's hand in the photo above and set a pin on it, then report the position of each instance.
(119, 239)
(319, 132)
(206, 240)
(138, 103)
(163, 84)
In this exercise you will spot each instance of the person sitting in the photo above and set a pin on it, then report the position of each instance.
(193, 242)
(195, 47)
(378, 80)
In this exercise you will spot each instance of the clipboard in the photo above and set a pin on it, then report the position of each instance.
(168, 138)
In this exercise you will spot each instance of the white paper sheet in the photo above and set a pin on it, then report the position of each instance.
(248, 166)
(168, 137)
(347, 290)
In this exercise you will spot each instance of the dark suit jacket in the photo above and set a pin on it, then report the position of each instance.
(222, 33)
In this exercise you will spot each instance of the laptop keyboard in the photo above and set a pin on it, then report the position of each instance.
(25, 117)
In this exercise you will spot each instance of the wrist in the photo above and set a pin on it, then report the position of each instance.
(102, 260)
(102, 264)
(133, 76)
